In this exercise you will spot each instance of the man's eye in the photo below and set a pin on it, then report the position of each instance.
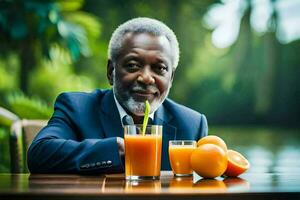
(162, 69)
(132, 66)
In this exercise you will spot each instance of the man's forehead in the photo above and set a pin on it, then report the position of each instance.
(146, 41)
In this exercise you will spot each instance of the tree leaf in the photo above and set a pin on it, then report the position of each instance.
(29, 108)
(89, 22)
(70, 5)
(18, 29)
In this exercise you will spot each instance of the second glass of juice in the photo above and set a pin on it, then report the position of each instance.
(179, 154)
(142, 152)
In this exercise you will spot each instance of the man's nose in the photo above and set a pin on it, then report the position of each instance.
(146, 76)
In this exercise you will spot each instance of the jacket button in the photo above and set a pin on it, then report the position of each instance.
(103, 163)
(85, 166)
(98, 164)
(109, 162)
(92, 164)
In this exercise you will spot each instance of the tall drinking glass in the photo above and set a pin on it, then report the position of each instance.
(142, 152)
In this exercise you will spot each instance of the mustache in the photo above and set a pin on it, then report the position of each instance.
(146, 88)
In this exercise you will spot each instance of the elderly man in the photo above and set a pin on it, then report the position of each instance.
(85, 133)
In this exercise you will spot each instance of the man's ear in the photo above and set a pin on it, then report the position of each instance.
(172, 76)
(109, 72)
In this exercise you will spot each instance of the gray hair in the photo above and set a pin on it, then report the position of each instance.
(143, 25)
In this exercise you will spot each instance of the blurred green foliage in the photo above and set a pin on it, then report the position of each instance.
(36, 36)
(4, 150)
(33, 29)
(28, 108)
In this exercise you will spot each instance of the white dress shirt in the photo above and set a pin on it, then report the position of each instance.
(123, 113)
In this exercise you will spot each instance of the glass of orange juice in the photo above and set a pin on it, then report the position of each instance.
(142, 152)
(180, 153)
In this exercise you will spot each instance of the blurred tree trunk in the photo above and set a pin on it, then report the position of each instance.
(267, 83)
(27, 63)
(242, 64)
(266, 91)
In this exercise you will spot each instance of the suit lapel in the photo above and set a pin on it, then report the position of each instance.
(110, 118)
(162, 117)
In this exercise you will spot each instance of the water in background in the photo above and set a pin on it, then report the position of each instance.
(269, 150)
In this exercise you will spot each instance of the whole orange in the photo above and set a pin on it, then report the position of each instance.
(213, 139)
(209, 160)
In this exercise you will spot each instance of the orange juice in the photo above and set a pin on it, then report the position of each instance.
(142, 155)
(180, 159)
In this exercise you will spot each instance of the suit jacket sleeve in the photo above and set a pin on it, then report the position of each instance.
(203, 126)
(58, 147)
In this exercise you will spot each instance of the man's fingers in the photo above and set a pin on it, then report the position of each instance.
(121, 146)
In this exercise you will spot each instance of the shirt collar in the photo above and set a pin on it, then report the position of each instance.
(123, 113)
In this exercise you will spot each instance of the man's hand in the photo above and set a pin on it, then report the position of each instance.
(121, 146)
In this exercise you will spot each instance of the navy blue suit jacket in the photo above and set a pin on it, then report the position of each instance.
(81, 135)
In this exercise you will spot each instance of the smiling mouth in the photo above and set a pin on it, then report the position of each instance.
(144, 95)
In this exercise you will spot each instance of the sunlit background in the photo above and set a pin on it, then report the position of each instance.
(239, 65)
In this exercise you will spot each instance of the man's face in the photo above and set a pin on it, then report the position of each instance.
(143, 71)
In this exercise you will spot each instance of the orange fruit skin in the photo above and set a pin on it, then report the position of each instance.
(237, 164)
(209, 160)
(213, 139)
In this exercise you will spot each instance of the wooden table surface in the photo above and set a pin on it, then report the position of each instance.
(248, 186)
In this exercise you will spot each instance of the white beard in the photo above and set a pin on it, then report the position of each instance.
(135, 107)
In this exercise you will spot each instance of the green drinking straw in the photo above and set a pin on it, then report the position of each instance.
(146, 116)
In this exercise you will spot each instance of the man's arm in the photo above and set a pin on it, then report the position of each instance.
(203, 127)
(58, 149)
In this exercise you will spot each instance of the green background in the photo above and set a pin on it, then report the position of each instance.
(252, 82)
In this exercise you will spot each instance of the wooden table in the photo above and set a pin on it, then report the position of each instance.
(248, 186)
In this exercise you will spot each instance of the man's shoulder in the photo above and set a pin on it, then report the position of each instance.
(77, 96)
(186, 119)
(180, 110)
(80, 103)
(79, 99)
